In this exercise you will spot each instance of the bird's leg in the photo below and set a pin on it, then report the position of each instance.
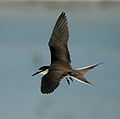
(68, 81)
(71, 79)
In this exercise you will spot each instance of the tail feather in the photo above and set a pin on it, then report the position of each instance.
(79, 74)
(82, 80)
(86, 69)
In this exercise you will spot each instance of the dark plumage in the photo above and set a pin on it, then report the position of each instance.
(60, 60)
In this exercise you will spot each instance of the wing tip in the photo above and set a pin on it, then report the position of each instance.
(49, 88)
(63, 14)
(47, 91)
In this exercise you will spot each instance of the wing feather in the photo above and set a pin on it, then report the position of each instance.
(59, 39)
(51, 81)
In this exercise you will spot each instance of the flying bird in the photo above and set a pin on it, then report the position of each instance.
(60, 66)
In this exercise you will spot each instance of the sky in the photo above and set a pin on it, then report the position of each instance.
(25, 30)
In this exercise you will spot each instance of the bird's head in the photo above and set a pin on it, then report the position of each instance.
(42, 70)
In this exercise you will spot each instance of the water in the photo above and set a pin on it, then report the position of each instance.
(25, 29)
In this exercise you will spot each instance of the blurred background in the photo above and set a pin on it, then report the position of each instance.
(25, 29)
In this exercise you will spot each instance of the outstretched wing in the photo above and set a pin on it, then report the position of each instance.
(51, 81)
(59, 39)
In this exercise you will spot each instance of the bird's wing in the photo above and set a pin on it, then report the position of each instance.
(51, 81)
(59, 39)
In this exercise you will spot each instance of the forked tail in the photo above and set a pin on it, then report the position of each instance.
(79, 74)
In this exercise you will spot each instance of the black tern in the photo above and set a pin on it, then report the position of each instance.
(60, 60)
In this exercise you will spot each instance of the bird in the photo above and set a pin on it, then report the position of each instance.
(60, 66)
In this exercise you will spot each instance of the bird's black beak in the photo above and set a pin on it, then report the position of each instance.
(36, 73)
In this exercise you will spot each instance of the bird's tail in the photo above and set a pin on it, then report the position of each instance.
(79, 74)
